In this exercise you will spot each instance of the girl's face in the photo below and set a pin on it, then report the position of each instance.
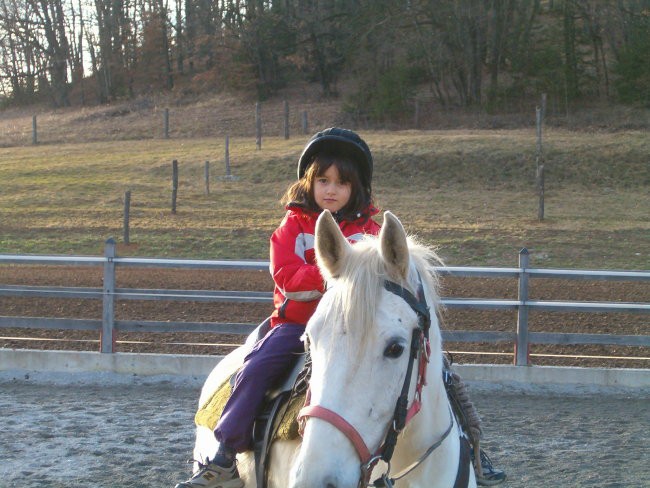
(330, 193)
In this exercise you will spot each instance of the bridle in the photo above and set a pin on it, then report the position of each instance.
(419, 348)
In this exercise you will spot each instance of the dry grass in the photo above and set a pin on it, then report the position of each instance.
(143, 118)
(471, 193)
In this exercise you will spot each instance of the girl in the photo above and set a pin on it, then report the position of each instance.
(334, 173)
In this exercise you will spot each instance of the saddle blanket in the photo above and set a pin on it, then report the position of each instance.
(286, 426)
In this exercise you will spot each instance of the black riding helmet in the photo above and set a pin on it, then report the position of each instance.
(342, 142)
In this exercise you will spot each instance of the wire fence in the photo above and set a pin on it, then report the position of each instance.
(143, 119)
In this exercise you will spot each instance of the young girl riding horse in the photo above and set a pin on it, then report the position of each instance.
(335, 174)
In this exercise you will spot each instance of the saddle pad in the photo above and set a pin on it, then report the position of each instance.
(286, 426)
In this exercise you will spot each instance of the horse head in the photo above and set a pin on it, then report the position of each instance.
(369, 342)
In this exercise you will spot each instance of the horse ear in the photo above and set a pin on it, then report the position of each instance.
(394, 247)
(331, 246)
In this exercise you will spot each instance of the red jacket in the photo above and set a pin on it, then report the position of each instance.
(298, 282)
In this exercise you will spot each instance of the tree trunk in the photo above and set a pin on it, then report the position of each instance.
(570, 56)
(56, 51)
(180, 42)
(167, 62)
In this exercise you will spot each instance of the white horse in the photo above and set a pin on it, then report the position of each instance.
(370, 322)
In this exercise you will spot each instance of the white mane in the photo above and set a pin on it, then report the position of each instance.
(356, 292)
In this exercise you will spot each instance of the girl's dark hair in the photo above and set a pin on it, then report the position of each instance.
(301, 193)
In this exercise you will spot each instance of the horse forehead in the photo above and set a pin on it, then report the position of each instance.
(395, 309)
(392, 315)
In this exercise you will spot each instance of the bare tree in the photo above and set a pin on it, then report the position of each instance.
(51, 20)
(499, 24)
(77, 48)
(11, 42)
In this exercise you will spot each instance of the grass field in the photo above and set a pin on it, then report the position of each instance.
(470, 193)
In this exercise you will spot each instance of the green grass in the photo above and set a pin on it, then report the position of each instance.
(469, 193)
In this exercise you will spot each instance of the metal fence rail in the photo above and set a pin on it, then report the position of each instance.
(109, 293)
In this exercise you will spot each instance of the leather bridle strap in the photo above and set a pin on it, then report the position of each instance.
(401, 407)
(401, 415)
(416, 302)
(419, 345)
(341, 424)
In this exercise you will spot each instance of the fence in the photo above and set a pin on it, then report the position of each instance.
(143, 120)
(108, 325)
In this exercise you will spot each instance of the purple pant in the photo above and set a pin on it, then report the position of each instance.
(268, 362)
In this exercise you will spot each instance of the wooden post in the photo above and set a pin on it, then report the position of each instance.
(207, 177)
(258, 126)
(416, 115)
(522, 345)
(305, 122)
(174, 184)
(540, 186)
(127, 212)
(286, 119)
(227, 157)
(540, 165)
(166, 123)
(34, 131)
(107, 337)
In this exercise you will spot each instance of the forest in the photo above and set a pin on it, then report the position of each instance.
(382, 56)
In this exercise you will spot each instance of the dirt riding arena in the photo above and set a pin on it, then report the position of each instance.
(105, 433)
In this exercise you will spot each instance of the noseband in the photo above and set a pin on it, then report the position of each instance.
(403, 413)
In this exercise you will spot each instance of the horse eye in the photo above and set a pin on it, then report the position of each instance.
(394, 350)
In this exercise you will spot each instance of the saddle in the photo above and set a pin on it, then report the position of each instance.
(277, 420)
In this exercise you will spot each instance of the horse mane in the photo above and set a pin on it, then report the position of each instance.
(361, 280)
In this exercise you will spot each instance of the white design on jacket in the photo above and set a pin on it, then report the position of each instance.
(305, 242)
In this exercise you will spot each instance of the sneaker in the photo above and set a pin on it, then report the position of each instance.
(491, 476)
(212, 475)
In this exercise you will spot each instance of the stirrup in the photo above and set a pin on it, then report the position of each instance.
(488, 474)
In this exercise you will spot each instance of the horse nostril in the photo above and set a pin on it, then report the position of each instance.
(330, 483)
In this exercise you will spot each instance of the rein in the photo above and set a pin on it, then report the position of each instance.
(403, 413)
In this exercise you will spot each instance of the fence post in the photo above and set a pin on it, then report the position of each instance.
(34, 131)
(107, 338)
(166, 123)
(127, 213)
(227, 157)
(522, 346)
(174, 184)
(258, 126)
(207, 177)
(286, 119)
(540, 163)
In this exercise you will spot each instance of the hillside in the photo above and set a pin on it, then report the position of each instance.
(218, 115)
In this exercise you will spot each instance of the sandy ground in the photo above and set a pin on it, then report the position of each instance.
(115, 434)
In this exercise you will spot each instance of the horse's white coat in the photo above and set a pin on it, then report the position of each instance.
(351, 375)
